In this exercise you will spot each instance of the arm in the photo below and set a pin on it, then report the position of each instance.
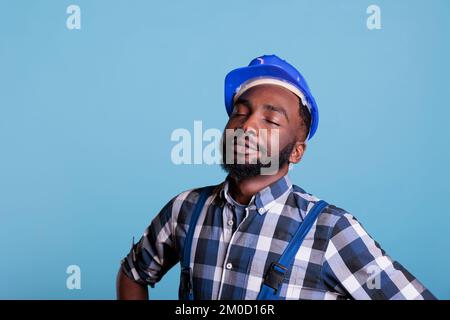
(128, 289)
(150, 258)
(357, 266)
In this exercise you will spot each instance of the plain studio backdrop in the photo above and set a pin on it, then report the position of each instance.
(86, 117)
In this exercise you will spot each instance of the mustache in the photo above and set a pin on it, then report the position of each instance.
(248, 142)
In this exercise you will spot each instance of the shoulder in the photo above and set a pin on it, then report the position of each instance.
(184, 202)
(333, 217)
(192, 195)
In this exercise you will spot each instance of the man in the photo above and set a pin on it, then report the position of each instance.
(238, 244)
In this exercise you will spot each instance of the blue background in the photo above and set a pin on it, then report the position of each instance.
(86, 117)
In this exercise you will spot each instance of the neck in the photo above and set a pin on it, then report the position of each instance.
(242, 190)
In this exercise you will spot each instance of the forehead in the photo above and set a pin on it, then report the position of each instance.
(273, 95)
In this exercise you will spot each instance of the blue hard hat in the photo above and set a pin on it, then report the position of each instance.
(273, 67)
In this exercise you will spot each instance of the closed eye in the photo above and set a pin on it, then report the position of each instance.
(271, 122)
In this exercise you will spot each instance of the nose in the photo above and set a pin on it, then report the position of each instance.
(250, 128)
(250, 125)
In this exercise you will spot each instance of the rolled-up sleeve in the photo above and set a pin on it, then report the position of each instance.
(356, 266)
(155, 253)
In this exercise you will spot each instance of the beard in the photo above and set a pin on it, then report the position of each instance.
(248, 170)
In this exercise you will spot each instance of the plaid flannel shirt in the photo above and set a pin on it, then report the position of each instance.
(337, 260)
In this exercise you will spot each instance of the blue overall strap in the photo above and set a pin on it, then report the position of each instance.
(271, 286)
(186, 288)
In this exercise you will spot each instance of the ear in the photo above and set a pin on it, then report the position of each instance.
(297, 152)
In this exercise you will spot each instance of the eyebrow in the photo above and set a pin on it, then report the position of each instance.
(268, 107)
(276, 109)
(244, 102)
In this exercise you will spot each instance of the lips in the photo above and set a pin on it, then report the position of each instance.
(248, 146)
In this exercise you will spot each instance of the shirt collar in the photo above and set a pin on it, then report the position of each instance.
(263, 200)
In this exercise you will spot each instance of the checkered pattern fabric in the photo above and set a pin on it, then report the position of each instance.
(337, 260)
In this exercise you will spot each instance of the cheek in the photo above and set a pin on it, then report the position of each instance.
(229, 127)
(232, 124)
(276, 140)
